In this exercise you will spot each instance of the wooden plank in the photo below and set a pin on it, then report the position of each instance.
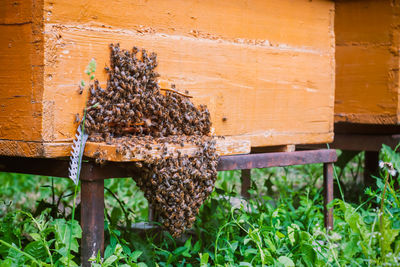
(366, 21)
(34, 149)
(58, 150)
(265, 79)
(301, 23)
(372, 129)
(62, 149)
(284, 148)
(224, 147)
(14, 12)
(367, 62)
(366, 85)
(257, 92)
(21, 70)
(360, 142)
(20, 84)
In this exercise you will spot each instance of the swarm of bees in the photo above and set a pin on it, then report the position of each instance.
(178, 185)
(133, 104)
(132, 112)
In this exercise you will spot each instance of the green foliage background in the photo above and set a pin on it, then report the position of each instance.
(281, 224)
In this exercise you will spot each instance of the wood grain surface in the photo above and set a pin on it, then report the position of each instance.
(265, 69)
(367, 62)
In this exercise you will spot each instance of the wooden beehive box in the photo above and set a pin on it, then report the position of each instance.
(265, 69)
(367, 62)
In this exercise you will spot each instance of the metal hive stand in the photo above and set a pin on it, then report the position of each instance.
(355, 138)
(371, 144)
(93, 175)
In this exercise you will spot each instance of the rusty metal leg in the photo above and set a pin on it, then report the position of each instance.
(246, 181)
(328, 195)
(92, 219)
(151, 216)
(371, 167)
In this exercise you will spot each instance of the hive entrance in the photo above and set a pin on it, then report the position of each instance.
(132, 113)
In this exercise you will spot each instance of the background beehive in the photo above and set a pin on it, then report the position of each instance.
(266, 67)
(367, 60)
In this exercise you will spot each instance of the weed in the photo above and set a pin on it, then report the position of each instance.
(281, 224)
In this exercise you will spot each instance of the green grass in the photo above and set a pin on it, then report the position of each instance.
(281, 225)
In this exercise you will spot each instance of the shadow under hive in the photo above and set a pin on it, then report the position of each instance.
(132, 113)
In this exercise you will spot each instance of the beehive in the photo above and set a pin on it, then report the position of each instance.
(265, 69)
(367, 60)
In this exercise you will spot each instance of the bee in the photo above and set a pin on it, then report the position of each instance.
(80, 89)
(124, 86)
(77, 118)
(166, 223)
(119, 88)
(87, 125)
(123, 75)
(159, 199)
(116, 96)
(100, 160)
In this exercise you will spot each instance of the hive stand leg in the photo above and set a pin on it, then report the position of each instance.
(152, 215)
(92, 219)
(246, 182)
(328, 195)
(371, 167)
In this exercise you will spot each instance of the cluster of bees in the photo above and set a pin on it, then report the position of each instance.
(132, 113)
(133, 103)
(177, 185)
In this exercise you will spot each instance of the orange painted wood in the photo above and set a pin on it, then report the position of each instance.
(367, 62)
(228, 146)
(299, 23)
(109, 152)
(265, 69)
(259, 90)
(21, 70)
(19, 11)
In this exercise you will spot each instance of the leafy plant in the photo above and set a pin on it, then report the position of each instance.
(281, 224)
(38, 240)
